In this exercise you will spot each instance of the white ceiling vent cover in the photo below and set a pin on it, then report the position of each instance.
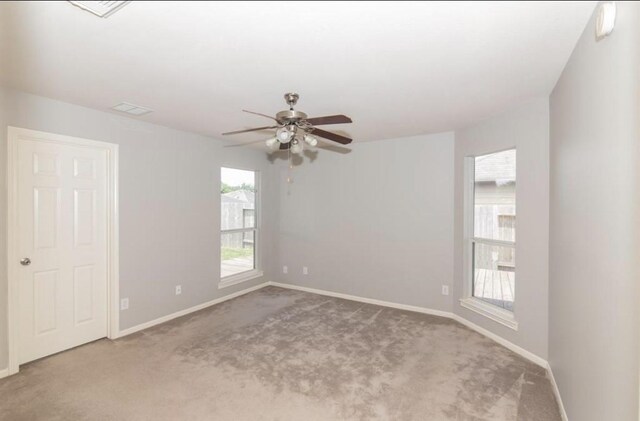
(125, 107)
(100, 8)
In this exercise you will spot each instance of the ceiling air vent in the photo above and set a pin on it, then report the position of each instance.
(131, 109)
(100, 8)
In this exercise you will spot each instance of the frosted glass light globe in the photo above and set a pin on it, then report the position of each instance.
(311, 140)
(284, 135)
(296, 147)
(273, 143)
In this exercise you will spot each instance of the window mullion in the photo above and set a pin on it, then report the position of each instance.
(491, 242)
(237, 230)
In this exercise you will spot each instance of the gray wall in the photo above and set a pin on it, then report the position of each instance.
(527, 128)
(376, 223)
(3, 231)
(169, 204)
(594, 241)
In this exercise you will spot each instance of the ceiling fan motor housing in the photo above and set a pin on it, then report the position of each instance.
(290, 117)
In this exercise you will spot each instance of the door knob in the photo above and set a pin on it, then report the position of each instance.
(25, 262)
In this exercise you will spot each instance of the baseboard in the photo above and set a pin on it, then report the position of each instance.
(556, 392)
(184, 312)
(509, 345)
(365, 300)
(4, 373)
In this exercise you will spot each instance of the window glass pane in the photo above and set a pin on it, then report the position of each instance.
(495, 196)
(494, 274)
(238, 199)
(237, 253)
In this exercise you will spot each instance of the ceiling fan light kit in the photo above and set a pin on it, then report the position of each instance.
(284, 134)
(311, 140)
(273, 144)
(296, 146)
(294, 128)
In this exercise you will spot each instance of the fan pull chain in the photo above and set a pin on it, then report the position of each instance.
(290, 175)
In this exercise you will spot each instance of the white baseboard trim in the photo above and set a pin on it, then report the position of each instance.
(365, 300)
(184, 312)
(4, 373)
(556, 392)
(509, 345)
(505, 343)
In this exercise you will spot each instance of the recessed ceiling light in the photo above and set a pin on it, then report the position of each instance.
(100, 8)
(131, 109)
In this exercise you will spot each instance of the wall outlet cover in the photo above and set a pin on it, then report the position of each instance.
(445, 289)
(285, 269)
(178, 289)
(124, 304)
(305, 270)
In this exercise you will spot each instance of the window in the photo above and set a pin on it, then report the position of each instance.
(491, 234)
(238, 225)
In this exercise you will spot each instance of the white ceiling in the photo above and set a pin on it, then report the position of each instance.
(396, 68)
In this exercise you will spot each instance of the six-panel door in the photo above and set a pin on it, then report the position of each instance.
(62, 199)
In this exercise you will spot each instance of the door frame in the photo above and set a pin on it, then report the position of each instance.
(14, 136)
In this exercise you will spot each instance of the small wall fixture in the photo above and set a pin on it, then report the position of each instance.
(606, 19)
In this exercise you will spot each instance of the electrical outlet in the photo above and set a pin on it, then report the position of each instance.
(124, 304)
(305, 270)
(445, 289)
(285, 269)
(178, 289)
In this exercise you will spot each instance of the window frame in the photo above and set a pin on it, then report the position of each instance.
(468, 301)
(256, 272)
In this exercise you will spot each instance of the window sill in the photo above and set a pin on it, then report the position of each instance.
(504, 317)
(240, 278)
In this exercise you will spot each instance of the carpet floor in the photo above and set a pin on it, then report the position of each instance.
(279, 354)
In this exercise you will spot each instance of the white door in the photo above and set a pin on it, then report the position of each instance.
(62, 246)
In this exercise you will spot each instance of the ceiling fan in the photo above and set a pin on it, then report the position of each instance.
(294, 128)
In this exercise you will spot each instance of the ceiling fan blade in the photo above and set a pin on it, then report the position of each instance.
(329, 119)
(250, 130)
(285, 146)
(239, 145)
(332, 136)
(263, 115)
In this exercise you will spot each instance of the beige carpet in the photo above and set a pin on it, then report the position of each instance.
(277, 354)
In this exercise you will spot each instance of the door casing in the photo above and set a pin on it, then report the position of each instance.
(14, 136)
